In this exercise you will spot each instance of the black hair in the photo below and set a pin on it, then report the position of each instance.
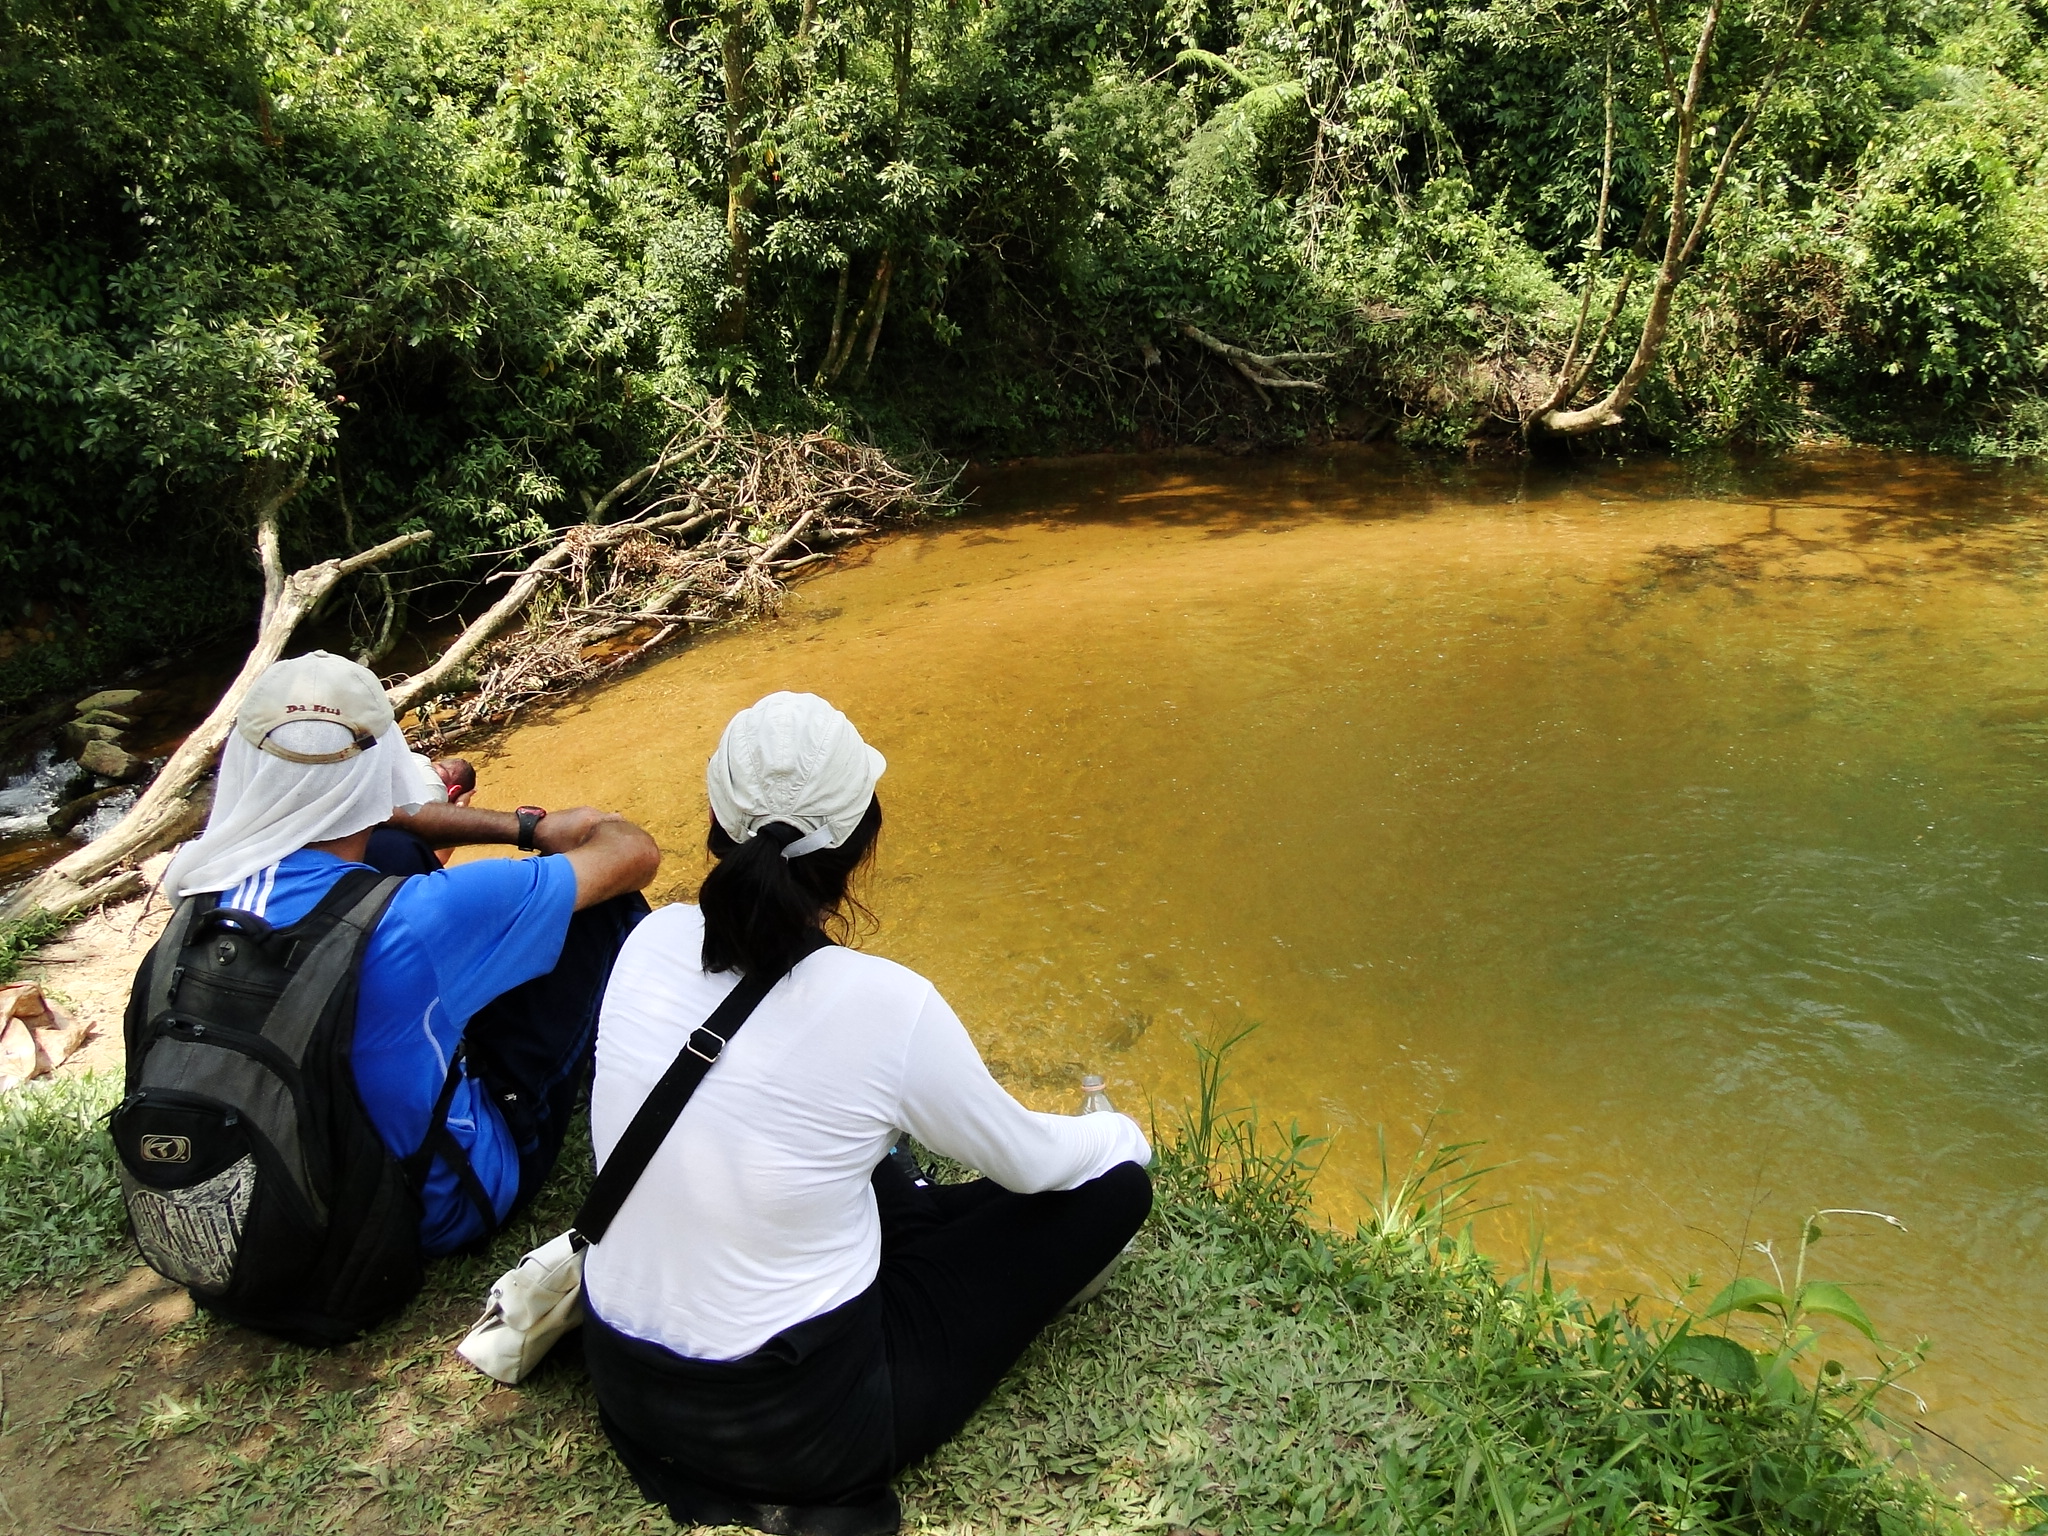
(758, 905)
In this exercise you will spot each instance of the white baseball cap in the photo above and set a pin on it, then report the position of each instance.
(795, 759)
(317, 687)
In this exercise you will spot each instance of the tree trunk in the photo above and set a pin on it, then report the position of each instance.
(742, 186)
(827, 366)
(869, 318)
(1606, 411)
(1682, 239)
(884, 275)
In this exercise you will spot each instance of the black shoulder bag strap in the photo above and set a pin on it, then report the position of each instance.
(657, 1114)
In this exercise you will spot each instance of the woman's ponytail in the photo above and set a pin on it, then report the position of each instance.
(758, 906)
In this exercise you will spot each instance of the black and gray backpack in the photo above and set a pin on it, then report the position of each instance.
(253, 1175)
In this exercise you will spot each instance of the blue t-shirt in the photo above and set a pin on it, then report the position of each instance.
(449, 943)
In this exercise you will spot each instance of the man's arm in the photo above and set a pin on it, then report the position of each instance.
(459, 826)
(610, 855)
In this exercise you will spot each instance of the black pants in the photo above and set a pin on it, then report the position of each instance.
(826, 1412)
(531, 1049)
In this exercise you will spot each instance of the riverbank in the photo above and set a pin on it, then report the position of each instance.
(1247, 1370)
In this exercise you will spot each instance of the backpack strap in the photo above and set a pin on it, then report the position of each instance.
(161, 983)
(339, 926)
(439, 1139)
(657, 1114)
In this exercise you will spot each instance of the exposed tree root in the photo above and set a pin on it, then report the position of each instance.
(1263, 371)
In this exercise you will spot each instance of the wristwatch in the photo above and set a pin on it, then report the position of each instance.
(530, 817)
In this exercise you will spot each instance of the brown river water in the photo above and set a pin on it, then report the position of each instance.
(1676, 834)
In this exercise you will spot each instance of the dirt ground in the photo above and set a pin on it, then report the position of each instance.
(123, 1411)
(73, 1362)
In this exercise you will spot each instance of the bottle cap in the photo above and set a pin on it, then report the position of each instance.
(1091, 1083)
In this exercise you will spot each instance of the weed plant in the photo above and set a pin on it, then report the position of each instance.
(18, 941)
(1248, 1369)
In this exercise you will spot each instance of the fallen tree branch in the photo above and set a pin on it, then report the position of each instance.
(755, 509)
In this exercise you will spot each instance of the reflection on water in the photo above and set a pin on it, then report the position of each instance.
(1680, 839)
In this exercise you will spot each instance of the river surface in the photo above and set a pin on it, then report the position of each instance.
(1679, 835)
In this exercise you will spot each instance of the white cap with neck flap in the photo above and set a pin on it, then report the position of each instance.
(795, 759)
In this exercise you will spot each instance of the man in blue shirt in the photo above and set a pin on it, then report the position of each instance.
(501, 961)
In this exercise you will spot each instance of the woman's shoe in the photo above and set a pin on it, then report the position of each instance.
(1093, 1288)
(881, 1516)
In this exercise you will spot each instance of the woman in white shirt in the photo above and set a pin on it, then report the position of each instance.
(783, 1315)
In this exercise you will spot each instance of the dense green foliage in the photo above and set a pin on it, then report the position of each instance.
(455, 261)
(1247, 1370)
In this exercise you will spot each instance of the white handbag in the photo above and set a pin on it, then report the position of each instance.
(534, 1304)
(530, 1308)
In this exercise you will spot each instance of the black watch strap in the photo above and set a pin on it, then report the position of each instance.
(529, 822)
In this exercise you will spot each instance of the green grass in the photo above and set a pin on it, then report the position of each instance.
(60, 1207)
(18, 941)
(1248, 1370)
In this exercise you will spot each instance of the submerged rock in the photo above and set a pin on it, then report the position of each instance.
(72, 812)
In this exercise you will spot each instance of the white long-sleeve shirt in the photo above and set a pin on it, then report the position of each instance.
(757, 1211)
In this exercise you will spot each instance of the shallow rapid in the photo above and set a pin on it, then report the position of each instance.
(1679, 835)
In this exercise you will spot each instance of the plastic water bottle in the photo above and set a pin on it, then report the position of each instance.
(901, 1155)
(1093, 1100)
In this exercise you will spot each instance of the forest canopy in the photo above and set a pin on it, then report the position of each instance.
(458, 265)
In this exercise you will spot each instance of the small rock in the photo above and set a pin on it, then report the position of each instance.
(109, 698)
(105, 717)
(110, 762)
(77, 737)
